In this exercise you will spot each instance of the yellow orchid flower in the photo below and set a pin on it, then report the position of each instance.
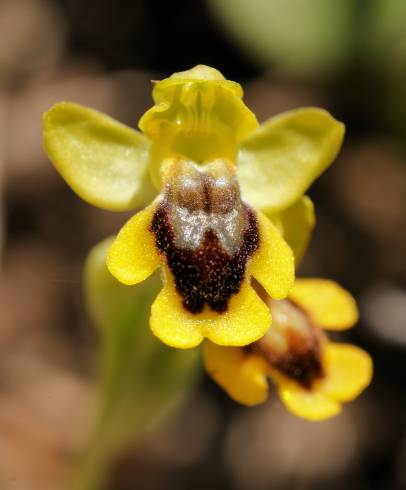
(314, 376)
(205, 173)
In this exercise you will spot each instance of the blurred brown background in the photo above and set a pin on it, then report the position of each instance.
(345, 55)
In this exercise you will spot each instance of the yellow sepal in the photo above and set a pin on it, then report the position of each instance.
(288, 152)
(198, 116)
(102, 160)
(202, 91)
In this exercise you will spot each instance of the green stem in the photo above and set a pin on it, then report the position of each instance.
(94, 468)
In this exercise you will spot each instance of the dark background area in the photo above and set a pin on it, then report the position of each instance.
(104, 54)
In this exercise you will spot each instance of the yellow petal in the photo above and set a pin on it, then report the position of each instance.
(348, 371)
(296, 224)
(281, 159)
(133, 256)
(328, 304)
(308, 404)
(103, 161)
(245, 321)
(240, 374)
(273, 263)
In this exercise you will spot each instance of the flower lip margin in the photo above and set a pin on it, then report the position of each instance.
(247, 318)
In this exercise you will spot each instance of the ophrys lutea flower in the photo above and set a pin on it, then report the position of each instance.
(314, 376)
(206, 172)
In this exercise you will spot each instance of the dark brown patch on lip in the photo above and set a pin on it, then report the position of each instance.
(301, 361)
(301, 364)
(207, 274)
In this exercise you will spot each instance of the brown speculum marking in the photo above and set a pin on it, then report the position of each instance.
(207, 235)
(293, 344)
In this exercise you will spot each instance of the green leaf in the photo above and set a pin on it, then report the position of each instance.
(278, 163)
(384, 43)
(140, 379)
(302, 38)
(384, 33)
(296, 224)
(102, 160)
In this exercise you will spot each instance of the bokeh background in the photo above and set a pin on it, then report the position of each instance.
(347, 56)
